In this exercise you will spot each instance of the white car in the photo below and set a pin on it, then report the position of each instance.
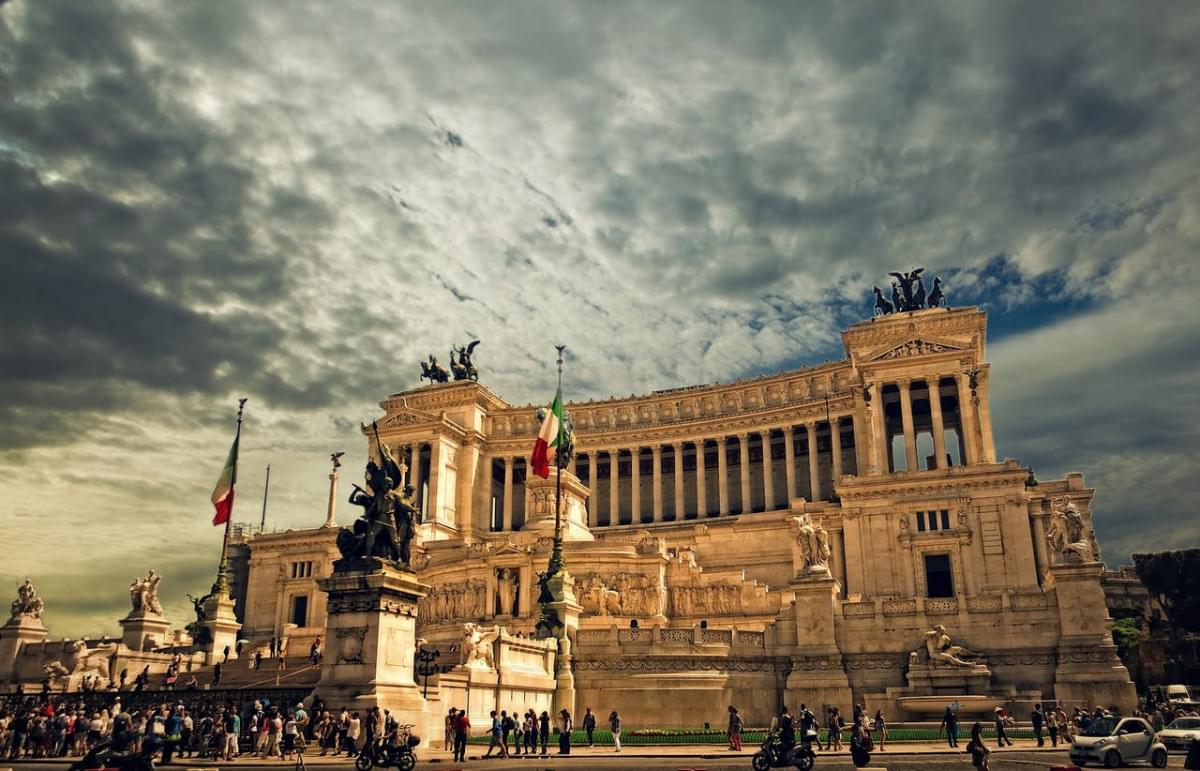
(1116, 741)
(1179, 734)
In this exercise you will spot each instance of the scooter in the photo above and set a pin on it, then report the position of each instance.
(104, 756)
(384, 754)
(773, 755)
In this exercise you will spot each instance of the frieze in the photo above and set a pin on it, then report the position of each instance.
(984, 604)
(1028, 602)
(818, 664)
(678, 664)
(366, 603)
(914, 347)
(457, 601)
(858, 662)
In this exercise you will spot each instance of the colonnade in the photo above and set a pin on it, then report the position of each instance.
(971, 421)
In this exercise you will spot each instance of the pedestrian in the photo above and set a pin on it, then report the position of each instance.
(835, 730)
(448, 740)
(462, 728)
(979, 751)
(272, 647)
(1038, 720)
(257, 659)
(544, 729)
(518, 733)
(564, 732)
(881, 728)
(225, 654)
(589, 725)
(735, 730)
(495, 734)
(1192, 761)
(1052, 726)
(950, 726)
(531, 732)
(506, 729)
(614, 725)
(216, 674)
(1001, 734)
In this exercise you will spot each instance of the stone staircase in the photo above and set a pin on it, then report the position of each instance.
(235, 674)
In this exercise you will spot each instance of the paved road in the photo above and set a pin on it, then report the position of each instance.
(1008, 760)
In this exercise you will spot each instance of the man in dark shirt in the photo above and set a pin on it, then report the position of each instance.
(1037, 719)
(787, 731)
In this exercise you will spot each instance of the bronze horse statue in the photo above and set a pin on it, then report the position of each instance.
(434, 371)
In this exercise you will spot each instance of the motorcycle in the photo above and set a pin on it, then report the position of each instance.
(384, 754)
(104, 756)
(773, 755)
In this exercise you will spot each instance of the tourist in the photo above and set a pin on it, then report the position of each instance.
(836, 724)
(353, 732)
(216, 681)
(448, 738)
(860, 744)
(506, 728)
(881, 728)
(518, 729)
(1064, 725)
(1001, 733)
(564, 732)
(185, 735)
(172, 734)
(531, 732)
(979, 751)
(314, 652)
(544, 729)
(1037, 719)
(950, 726)
(462, 729)
(290, 731)
(258, 658)
(589, 726)
(614, 725)
(735, 730)
(496, 733)
(1052, 726)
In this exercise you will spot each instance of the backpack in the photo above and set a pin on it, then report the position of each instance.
(506, 724)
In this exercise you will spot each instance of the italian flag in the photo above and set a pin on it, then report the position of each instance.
(549, 436)
(222, 495)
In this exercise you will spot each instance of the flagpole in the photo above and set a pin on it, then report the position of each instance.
(262, 525)
(222, 585)
(558, 448)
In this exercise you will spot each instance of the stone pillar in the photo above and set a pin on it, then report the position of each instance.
(768, 472)
(966, 417)
(417, 482)
(744, 461)
(835, 444)
(222, 626)
(17, 633)
(1088, 670)
(723, 476)
(879, 438)
(506, 521)
(371, 637)
(614, 487)
(906, 417)
(656, 482)
(432, 511)
(839, 556)
(571, 463)
(635, 484)
(814, 488)
(465, 478)
(789, 458)
(141, 631)
(678, 449)
(701, 482)
(593, 500)
(818, 673)
(1037, 530)
(939, 426)
(331, 508)
(987, 449)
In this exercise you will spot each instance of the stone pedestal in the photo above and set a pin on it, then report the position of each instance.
(223, 626)
(539, 518)
(371, 642)
(818, 677)
(16, 634)
(1088, 671)
(144, 631)
(927, 678)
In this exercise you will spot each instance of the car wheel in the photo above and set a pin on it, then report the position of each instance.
(1112, 759)
(1158, 759)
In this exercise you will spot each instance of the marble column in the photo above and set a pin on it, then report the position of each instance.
(433, 508)
(506, 521)
(839, 558)
(723, 476)
(635, 484)
(939, 426)
(789, 459)
(701, 482)
(835, 444)
(744, 460)
(768, 472)
(678, 448)
(966, 417)
(906, 418)
(987, 449)
(814, 487)
(879, 437)
(594, 484)
(417, 482)
(656, 482)
(614, 487)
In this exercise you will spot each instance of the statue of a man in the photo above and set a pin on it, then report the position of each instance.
(1066, 534)
(507, 590)
(939, 649)
(27, 603)
(151, 599)
(813, 541)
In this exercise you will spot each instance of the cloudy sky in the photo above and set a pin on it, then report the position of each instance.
(296, 202)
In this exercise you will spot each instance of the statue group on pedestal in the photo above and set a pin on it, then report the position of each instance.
(477, 646)
(388, 524)
(143, 595)
(1067, 534)
(461, 365)
(813, 541)
(908, 294)
(27, 604)
(938, 649)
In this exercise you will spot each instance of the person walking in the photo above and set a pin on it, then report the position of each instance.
(979, 751)
(544, 729)
(448, 739)
(1001, 733)
(614, 725)
(589, 726)
(518, 732)
(735, 730)
(531, 732)
(495, 734)
(564, 732)
(1052, 726)
(950, 726)
(462, 729)
(1038, 720)
(881, 729)
(835, 730)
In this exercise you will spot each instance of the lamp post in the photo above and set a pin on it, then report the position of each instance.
(426, 666)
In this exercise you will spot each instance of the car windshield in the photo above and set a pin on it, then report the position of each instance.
(1101, 727)
(1186, 722)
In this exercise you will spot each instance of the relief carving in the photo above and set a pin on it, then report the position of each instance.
(461, 600)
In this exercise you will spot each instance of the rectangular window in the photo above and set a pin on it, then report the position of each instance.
(920, 522)
(300, 610)
(945, 519)
(939, 582)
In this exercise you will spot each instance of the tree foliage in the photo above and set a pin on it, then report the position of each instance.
(1173, 577)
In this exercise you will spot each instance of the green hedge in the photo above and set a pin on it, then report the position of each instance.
(753, 736)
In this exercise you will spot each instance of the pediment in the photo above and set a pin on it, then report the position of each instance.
(409, 416)
(914, 346)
